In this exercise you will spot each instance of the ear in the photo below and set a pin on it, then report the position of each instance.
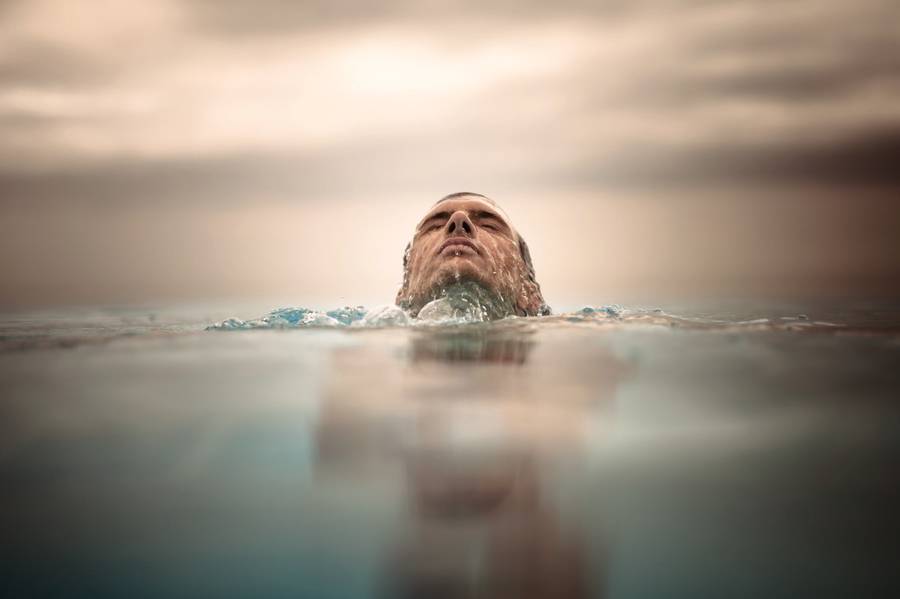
(532, 302)
(403, 288)
(526, 258)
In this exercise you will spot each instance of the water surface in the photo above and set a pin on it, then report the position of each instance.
(625, 452)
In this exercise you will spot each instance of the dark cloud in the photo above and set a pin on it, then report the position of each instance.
(777, 59)
(236, 177)
(789, 60)
(129, 134)
(864, 160)
(380, 166)
(272, 17)
(767, 27)
(215, 179)
(796, 83)
(783, 63)
(678, 86)
(41, 64)
(9, 5)
(774, 29)
(18, 122)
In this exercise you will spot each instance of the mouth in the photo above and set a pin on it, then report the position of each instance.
(458, 246)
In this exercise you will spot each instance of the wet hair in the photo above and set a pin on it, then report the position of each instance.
(544, 310)
(460, 194)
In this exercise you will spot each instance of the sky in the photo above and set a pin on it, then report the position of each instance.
(196, 150)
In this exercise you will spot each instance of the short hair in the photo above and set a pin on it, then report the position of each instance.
(460, 194)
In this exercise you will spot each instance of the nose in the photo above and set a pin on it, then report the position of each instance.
(459, 224)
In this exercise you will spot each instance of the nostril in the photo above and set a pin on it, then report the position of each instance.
(459, 224)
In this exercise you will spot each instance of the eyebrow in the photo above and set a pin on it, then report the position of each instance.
(486, 214)
(492, 215)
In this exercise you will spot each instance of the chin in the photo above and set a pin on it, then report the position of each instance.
(458, 270)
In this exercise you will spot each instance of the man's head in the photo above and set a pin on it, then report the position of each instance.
(467, 238)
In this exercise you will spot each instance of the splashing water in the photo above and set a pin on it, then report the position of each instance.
(466, 309)
(294, 318)
(457, 304)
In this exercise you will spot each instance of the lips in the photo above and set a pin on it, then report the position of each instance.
(460, 244)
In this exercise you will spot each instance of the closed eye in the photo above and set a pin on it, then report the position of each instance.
(490, 221)
(435, 221)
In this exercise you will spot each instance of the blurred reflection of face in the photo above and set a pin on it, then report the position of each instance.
(467, 238)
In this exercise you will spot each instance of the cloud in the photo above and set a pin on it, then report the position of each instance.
(414, 166)
(36, 64)
(868, 160)
(313, 97)
(283, 17)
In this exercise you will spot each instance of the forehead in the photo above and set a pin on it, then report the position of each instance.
(468, 204)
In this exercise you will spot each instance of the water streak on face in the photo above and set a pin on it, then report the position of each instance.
(466, 238)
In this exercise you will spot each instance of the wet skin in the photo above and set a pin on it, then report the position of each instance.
(468, 239)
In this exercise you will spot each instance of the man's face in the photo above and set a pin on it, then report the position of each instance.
(463, 239)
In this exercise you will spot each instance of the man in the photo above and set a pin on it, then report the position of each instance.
(466, 251)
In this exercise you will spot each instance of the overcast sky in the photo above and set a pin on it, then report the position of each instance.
(170, 150)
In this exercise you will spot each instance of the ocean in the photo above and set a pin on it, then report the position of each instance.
(727, 450)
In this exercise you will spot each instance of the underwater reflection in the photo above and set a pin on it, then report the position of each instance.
(476, 345)
(483, 527)
(477, 443)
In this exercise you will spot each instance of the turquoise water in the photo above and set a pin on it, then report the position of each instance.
(739, 451)
(441, 313)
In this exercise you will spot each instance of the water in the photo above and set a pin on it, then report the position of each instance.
(732, 450)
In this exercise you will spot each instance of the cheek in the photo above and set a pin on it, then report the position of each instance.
(418, 262)
(415, 263)
(506, 254)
